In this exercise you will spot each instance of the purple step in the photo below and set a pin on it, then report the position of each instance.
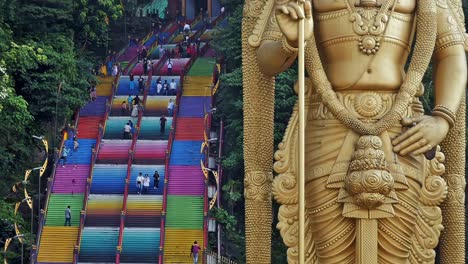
(186, 180)
(96, 108)
(194, 106)
(129, 54)
(64, 177)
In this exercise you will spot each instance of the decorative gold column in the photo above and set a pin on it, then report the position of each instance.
(259, 94)
(184, 7)
(210, 8)
(452, 240)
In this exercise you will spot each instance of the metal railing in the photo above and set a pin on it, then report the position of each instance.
(212, 258)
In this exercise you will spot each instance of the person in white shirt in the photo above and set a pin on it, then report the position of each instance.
(170, 107)
(186, 27)
(173, 87)
(161, 52)
(146, 183)
(139, 182)
(134, 111)
(159, 87)
(169, 66)
(127, 129)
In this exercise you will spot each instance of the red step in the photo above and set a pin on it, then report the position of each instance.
(190, 128)
(88, 126)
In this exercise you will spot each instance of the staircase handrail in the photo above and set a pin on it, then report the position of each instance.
(129, 166)
(94, 157)
(218, 19)
(50, 186)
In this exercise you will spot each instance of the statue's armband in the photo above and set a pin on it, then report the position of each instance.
(450, 27)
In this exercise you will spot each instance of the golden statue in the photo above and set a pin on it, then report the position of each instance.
(383, 181)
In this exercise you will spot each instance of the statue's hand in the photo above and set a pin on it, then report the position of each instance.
(288, 16)
(425, 133)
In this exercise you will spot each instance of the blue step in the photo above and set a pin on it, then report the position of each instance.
(109, 179)
(186, 153)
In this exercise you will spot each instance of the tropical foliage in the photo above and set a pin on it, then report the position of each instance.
(44, 45)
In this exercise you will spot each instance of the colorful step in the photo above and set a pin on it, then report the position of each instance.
(88, 127)
(114, 151)
(115, 126)
(150, 152)
(95, 108)
(146, 169)
(57, 205)
(140, 245)
(144, 211)
(178, 244)
(194, 106)
(186, 153)
(104, 87)
(103, 210)
(82, 156)
(198, 86)
(184, 212)
(98, 244)
(186, 180)
(71, 179)
(190, 128)
(108, 179)
(57, 244)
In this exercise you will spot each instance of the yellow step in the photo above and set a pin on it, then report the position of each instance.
(104, 87)
(197, 86)
(178, 242)
(57, 243)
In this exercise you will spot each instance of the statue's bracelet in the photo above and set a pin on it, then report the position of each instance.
(445, 113)
(288, 49)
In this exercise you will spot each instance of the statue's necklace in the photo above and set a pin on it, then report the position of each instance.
(426, 34)
(369, 23)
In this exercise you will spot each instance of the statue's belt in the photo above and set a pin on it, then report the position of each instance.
(370, 106)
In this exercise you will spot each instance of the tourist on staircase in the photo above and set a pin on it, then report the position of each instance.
(173, 88)
(159, 87)
(75, 144)
(67, 216)
(139, 182)
(127, 128)
(146, 183)
(131, 83)
(141, 85)
(165, 88)
(194, 252)
(124, 108)
(135, 110)
(169, 66)
(162, 123)
(63, 158)
(170, 108)
(156, 180)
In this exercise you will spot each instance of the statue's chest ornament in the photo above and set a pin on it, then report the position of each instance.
(369, 23)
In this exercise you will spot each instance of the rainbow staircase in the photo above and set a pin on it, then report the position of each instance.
(57, 241)
(111, 223)
(186, 185)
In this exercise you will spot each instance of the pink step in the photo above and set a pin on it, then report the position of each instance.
(186, 180)
(64, 179)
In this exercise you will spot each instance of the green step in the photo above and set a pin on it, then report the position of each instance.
(184, 212)
(57, 205)
(202, 67)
